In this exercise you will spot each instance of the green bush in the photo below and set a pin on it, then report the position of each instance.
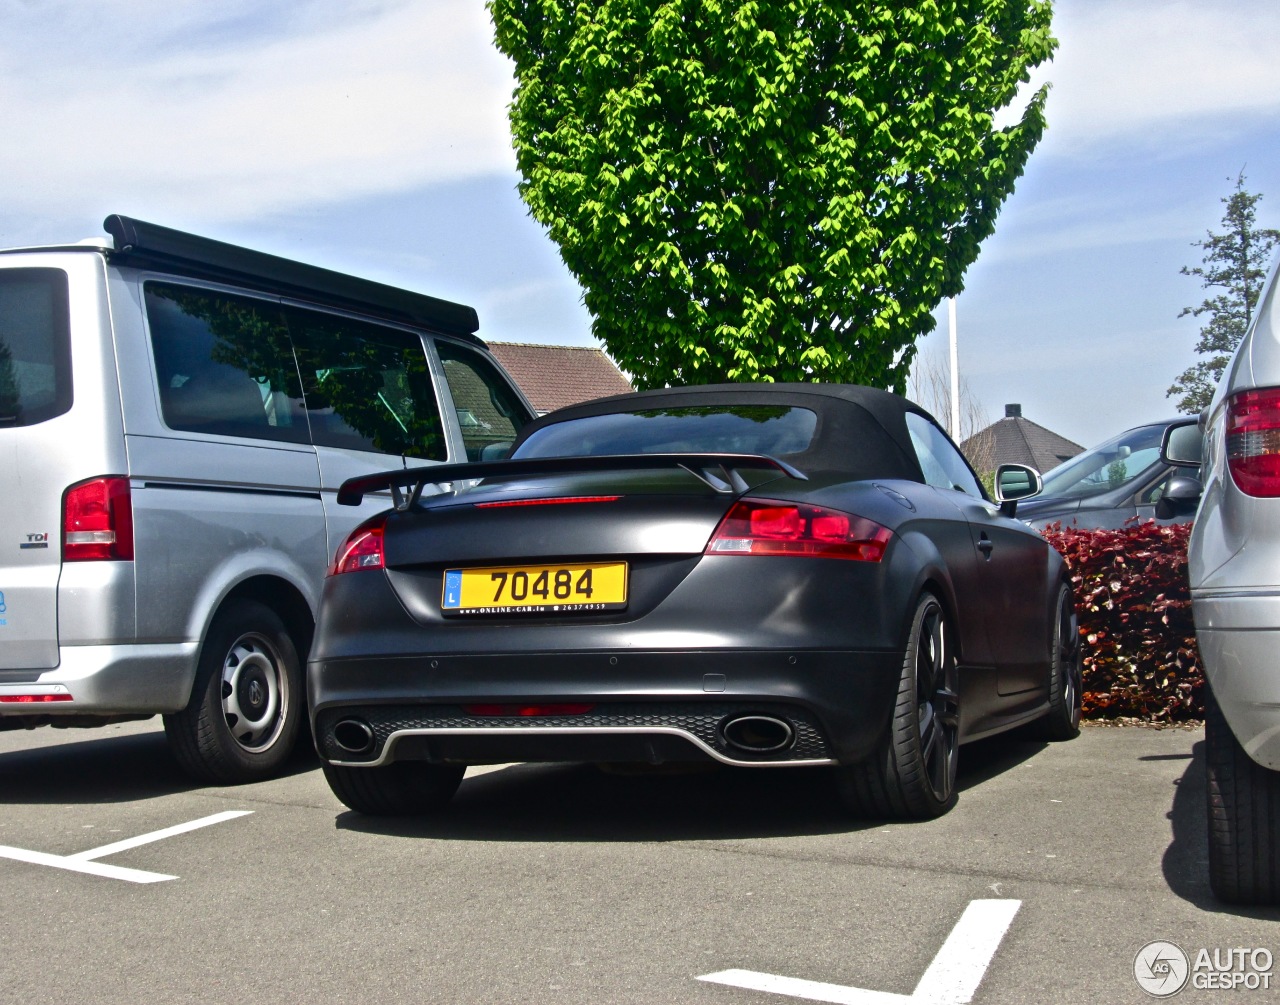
(1134, 602)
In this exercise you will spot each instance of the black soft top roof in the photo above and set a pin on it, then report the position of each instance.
(861, 431)
(148, 245)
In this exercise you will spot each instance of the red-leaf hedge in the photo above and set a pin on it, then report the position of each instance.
(1134, 602)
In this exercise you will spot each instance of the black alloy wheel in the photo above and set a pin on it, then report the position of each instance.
(401, 788)
(912, 775)
(1062, 720)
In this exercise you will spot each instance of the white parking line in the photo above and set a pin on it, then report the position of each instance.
(141, 839)
(92, 868)
(951, 979)
(85, 861)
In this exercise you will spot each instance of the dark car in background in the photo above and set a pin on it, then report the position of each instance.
(768, 576)
(1120, 480)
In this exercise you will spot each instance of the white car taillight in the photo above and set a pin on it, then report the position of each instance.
(1253, 441)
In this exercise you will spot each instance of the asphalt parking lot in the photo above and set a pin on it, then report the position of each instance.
(125, 883)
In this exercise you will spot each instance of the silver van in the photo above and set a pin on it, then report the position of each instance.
(176, 415)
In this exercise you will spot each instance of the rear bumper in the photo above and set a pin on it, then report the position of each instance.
(646, 706)
(1239, 636)
(106, 680)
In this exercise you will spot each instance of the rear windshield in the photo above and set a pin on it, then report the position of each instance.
(35, 346)
(736, 429)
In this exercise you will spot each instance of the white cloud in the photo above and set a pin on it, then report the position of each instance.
(197, 112)
(1159, 71)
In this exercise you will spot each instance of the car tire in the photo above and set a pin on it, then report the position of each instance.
(1244, 817)
(1062, 720)
(912, 773)
(247, 704)
(401, 788)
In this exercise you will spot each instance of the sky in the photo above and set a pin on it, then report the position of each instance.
(370, 136)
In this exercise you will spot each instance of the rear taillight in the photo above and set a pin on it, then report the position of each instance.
(1253, 441)
(97, 521)
(781, 528)
(555, 501)
(362, 549)
(553, 708)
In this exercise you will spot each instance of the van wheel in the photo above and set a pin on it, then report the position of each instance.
(1244, 816)
(245, 709)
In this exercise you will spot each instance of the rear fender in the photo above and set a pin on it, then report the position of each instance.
(931, 575)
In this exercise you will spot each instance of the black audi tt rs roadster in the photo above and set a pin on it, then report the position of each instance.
(762, 575)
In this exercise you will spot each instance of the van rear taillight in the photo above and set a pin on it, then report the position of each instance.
(97, 521)
(362, 550)
(1253, 441)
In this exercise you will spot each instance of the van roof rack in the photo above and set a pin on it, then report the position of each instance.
(142, 244)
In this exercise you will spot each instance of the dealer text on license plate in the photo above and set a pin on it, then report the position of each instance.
(536, 589)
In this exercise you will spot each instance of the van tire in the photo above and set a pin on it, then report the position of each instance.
(242, 721)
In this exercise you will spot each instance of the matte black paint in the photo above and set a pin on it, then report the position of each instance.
(826, 635)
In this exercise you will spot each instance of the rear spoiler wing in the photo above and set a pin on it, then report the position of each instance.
(719, 471)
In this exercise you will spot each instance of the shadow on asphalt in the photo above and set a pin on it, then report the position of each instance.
(580, 802)
(105, 769)
(1186, 860)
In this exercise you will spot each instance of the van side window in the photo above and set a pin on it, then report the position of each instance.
(366, 387)
(489, 413)
(224, 364)
(35, 346)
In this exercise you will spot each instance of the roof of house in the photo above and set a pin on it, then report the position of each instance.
(1015, 440)
(553, 376)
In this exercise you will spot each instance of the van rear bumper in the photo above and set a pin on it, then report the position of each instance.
(108, 680)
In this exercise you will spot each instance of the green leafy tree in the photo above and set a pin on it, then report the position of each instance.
(1235, 262)
(773, 190)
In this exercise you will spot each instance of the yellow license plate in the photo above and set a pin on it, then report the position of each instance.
(536, 589)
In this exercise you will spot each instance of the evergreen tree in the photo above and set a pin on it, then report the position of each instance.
(1235, 262)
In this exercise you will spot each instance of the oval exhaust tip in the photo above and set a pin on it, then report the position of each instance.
(353, 736)
(759, 734)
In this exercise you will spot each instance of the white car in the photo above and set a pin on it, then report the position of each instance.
(1234, 566)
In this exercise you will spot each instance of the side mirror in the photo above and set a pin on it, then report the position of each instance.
(1181, 496)
(496, 451)
(1182, 444)
(1014, 482)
